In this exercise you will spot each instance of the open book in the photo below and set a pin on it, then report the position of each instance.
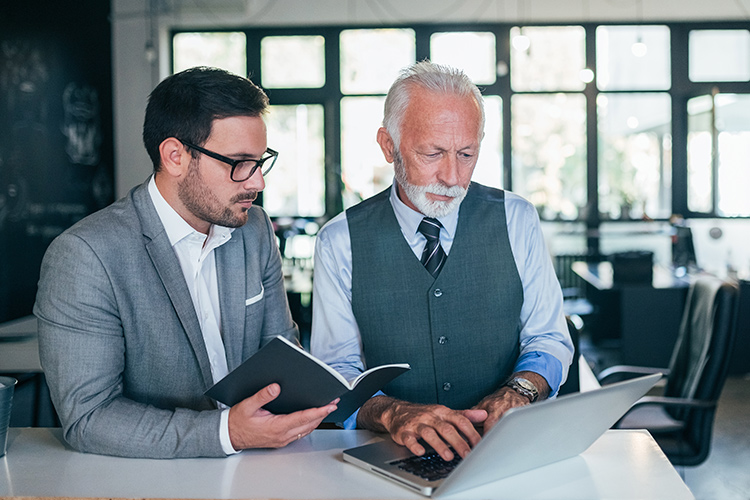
(306, 382)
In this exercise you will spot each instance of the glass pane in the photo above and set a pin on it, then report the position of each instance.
(364, 171)
(733, 128)
(547, 58)
(472, 52)
(719, 55)
(293, 61)
(700, 147)
(296, 185)
(635, 155)
(220, 50)
(549, 152)
(633, 58)
(489, 169)
(371, 59)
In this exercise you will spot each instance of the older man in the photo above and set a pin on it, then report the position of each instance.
(450, 276)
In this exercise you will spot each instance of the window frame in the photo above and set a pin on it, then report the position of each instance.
(681, 90)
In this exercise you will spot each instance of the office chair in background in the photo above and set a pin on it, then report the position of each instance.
(681, 420)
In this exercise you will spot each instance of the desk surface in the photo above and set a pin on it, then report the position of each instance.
(19, 348)
(600, 275)
(621, 464)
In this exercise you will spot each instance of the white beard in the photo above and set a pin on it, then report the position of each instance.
(418, 194)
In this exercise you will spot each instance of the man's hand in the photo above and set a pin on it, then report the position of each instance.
(407, 423)
(250, 426)
(505, 398)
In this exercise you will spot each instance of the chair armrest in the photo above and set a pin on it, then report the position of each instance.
(674, 402)
(624, 370)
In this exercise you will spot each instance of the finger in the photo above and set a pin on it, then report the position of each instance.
(467, 426)
(410, 440)
(264, 396)
(438, 443)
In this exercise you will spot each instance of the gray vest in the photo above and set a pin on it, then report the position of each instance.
(459, 332)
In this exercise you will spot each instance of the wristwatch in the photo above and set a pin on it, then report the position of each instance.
(524, 387)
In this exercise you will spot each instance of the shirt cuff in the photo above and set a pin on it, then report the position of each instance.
(545, 365)
(226, 443)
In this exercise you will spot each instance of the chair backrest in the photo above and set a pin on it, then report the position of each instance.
(700, 361)
(573, 383)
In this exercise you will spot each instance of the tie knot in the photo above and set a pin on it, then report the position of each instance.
(430, 228)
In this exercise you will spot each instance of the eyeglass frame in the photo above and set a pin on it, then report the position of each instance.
(233, 163)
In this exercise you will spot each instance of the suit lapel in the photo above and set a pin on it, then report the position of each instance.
(231, 272)
(169, 270)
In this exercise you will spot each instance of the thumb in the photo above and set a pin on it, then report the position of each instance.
(476, 416)
(265, 395)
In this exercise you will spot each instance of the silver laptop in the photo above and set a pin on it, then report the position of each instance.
(523, 439)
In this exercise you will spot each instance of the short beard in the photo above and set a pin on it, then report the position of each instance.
(418, 194)
(197, 198)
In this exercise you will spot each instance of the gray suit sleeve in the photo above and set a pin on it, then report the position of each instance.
(82, 348)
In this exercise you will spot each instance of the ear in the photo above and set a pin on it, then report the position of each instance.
(386, 144)
(174, 157)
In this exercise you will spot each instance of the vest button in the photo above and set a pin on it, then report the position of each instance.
(442, 340)
(438, 292)
(447, 386)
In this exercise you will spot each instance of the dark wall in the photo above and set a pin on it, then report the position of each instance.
(56, 146)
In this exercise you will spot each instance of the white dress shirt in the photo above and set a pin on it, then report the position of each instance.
(195, 252)
(545, 345)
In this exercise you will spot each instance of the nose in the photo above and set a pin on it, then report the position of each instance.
(255, 182)
(448, 171)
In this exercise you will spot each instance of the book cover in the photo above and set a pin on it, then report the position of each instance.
(306, 382)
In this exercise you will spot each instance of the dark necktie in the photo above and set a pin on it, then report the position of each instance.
(433, 256)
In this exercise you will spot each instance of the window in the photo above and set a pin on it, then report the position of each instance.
(473, 52)
(633, 58)
(718, 149)
(549, 152)
(293, 61)
(719, 55)
(635, 162)
(579, 118)
(222, 50)
(295, 186)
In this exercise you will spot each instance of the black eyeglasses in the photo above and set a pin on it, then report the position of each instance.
(242, 170)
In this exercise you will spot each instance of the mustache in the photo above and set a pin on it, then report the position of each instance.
(443, 190)
(251, 196)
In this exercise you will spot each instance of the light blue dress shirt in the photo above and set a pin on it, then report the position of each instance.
(545, 345)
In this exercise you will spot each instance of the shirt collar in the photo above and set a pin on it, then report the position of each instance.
(176, 227)
(409, 219)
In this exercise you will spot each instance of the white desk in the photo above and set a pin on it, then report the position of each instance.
(620, 465)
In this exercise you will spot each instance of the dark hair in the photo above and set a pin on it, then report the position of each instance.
(184, 106)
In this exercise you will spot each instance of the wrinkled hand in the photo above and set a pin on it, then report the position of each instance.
(250, 426)
(505, 398)
(439, 426)
(498, 403)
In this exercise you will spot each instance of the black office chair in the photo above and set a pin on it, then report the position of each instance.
(681, 420)
(573, 382)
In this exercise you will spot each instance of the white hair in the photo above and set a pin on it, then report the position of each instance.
(432, 77)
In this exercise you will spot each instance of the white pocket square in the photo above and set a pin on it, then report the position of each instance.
(253, 300)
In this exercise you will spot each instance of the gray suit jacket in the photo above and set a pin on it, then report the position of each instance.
(119, 339)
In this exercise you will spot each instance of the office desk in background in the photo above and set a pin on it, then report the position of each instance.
(620, 465)
(643, 319)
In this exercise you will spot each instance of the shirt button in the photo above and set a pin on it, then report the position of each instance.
(438, 292)
(447, 386)
(442, 340)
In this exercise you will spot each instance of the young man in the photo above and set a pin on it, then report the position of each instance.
(145, 304)
(447, 275)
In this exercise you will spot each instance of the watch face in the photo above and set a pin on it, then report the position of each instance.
(526, 384)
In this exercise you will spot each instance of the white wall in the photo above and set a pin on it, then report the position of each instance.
(137, 71)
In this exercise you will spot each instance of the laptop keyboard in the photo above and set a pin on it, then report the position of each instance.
(430, 466)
